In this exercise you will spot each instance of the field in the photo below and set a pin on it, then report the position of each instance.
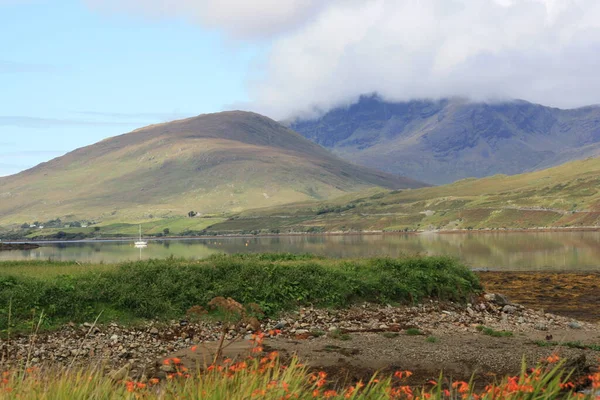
(567, 196)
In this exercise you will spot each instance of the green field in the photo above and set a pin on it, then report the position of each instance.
(564, 196)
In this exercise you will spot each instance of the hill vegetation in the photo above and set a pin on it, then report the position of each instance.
(563, 196)
(214, 163)
(443, 141)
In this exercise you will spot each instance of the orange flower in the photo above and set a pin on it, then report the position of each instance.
(167, 362)
(154, 381)
(194, 348)
(141, 385)
(316, 393)
(176, 360)
(553, 359)
(227, 361)
(329, 393)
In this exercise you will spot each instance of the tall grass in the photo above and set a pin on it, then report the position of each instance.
(269, 378)
(161, 289)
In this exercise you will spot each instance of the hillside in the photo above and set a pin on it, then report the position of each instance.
(443, 141)
(563, 196)
(212, 163)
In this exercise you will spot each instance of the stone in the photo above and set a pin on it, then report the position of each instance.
(574, 325)
(114, 338)
(154, 331)
(470, 311)
(541, 326)
(499, 299)
(508, 309)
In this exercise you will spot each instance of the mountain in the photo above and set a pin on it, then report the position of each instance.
(443, 141)
(564, 196)
(212, 163)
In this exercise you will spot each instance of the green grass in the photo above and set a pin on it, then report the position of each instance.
(572, 345)
(563, 196)
(338, 334)
(390, 335)
(413, 332)
(491, 332)
(431, 339)
(162, 289)
(50, 269)
(276, 380)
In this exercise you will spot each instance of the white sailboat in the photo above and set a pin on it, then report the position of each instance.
(141, 243)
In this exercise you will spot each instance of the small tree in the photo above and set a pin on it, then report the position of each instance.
(166, 231)
(192, 214)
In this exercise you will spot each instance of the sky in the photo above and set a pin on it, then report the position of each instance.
(73, 72)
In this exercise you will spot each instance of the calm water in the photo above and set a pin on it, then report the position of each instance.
(499, 251)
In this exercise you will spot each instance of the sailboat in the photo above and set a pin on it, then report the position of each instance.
(141, 243)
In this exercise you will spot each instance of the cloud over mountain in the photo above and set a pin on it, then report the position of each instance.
(326, 53)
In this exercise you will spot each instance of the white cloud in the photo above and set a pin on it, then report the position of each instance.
(324, 53)
(240, 18)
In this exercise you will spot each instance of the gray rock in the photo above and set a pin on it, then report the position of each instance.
(509, 309)
(470, 311)
(154, 331)
(541, 327)
(114, 338)
(499, 299)
(574, 325)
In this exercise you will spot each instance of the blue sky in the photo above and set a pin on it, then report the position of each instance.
(70, 76)
(73, 72)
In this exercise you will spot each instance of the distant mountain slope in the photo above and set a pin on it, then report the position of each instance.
(443, 141)
(563, 196)
(221, 162)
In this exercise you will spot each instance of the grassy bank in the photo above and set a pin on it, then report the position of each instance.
(164, 289)
(269, 378)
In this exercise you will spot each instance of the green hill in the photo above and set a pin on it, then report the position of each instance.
(563, 196)
(211, 164)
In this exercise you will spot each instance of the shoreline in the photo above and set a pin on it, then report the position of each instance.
(333, 233)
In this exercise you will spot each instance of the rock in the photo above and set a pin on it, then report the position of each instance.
(470, 311)
(384, 327)
(280, 325)
(541, 327)
(499, 299)
(333, 328)
(508, 309)
(114, 338)
(301, 331)
(574, 325)
(154, 331)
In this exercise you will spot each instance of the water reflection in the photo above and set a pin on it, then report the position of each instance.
(508, 251)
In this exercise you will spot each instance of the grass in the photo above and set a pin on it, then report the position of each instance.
(270, 378)
(491, 332)
(338, 334)
(50, 269)
(573, 345)
(164, 289)
(431, 339)
(390, 335)
(414, 332)
(563, 196)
